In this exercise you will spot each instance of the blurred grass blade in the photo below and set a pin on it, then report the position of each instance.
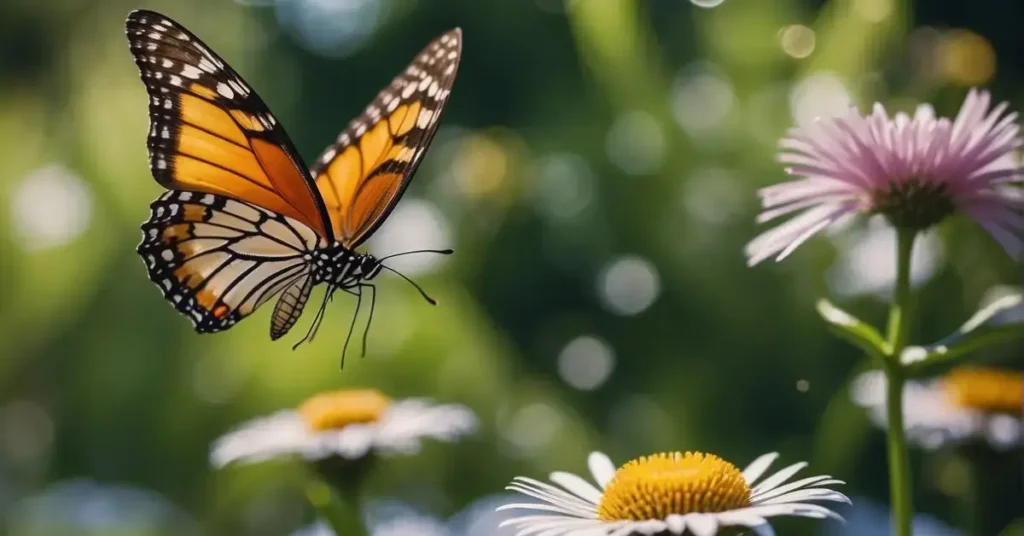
(854, 330)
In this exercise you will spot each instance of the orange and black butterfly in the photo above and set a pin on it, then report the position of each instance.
(245, 220)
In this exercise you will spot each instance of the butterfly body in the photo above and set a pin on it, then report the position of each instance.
(244, 220)
(341, 267)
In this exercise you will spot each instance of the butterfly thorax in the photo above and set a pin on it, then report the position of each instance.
(343, 267)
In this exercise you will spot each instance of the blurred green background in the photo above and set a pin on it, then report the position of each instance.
(595, 173)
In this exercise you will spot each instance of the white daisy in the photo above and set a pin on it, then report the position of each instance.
(670, 493)
(965, 404)
(347, 423)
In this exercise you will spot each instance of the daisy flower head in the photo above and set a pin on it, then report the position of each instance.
(914, 170)
(964, 405)
(670, 493)
(349, 424)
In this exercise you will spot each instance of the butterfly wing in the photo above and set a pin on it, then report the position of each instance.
(217, 259)
(364, 173)
(210, 132)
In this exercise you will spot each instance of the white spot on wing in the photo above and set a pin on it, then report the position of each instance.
(225, 90)
(426, 116)
(189, 71)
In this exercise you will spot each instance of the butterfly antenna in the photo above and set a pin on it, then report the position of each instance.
(423, 293)
(438, 251)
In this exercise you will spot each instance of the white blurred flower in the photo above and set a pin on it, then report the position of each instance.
(967, 403)
(669, 493)
(348, 423)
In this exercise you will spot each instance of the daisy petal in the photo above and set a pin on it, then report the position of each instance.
(778, 478)
(577, 485)
(601, 467)
(757, 468)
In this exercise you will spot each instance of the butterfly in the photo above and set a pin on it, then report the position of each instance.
(244, 220)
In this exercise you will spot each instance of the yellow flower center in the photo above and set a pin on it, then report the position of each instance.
(983, 389)
(657, 486)
(338, 409)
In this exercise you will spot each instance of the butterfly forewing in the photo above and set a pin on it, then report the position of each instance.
(210, 132)
(364, 173)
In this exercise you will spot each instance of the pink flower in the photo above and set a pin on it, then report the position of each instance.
(916, 171)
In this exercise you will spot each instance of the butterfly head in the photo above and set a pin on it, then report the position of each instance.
(369, 266)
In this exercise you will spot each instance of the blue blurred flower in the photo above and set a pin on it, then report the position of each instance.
(866, 518)
(85, 507)
(399, 519)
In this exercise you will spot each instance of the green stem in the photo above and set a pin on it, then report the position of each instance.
(900, 314)
(345, 519)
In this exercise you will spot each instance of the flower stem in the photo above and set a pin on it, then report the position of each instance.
(344, 519)
(900, 314)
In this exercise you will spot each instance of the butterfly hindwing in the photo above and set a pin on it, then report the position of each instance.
(210, 132)
(218, 259)
(364, 173)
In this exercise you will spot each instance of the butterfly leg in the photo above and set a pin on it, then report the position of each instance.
(315, 325)
(369, 320)
(352, 326)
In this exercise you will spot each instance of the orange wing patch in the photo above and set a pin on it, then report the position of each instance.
(363, 175)
(210, 132)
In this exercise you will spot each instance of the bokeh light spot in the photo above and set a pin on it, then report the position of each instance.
(818, 95)
(564, 185)
(797, 40)
(867, 261)
(713, 196)
(50, 207)
(708, 4)
(586, 363)
(636, 143)
(701, 98)
(415, 224)
(628, 285)
(532, 427)
(481, 166)
(873, 10)
(967, 58)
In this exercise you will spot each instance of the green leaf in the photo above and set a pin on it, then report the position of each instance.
(984, 328)
(854, 330)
